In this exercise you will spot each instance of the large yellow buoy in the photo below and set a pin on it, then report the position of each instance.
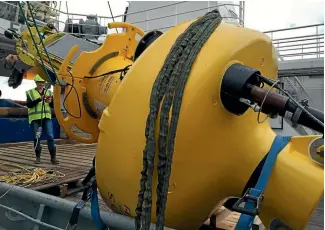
(215, 151)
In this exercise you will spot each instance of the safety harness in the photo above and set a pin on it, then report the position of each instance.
(254, 196)
(89, 193)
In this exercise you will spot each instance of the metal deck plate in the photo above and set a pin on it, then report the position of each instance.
(75, 161)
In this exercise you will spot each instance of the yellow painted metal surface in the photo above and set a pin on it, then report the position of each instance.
(85, 95)
(30, 74)
(25, 46)
(27, 51)
(86, 81)
(215, 151)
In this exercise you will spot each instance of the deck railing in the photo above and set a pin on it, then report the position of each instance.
(104, 20)
(227, 14)
(291, 43)
(299, 42)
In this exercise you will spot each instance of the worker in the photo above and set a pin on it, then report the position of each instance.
(39, 99)
(12, 58)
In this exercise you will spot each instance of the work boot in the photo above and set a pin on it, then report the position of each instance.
(53, 156)
(38, 155)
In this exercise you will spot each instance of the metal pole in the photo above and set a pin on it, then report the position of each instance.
(240, 11)
(293, 28)
(176, 14)
(303, 89)
(243, 9)
(66, 6)
(17, 15)
(317, 40)
(147, 21)
(58, 16)
(110, 9)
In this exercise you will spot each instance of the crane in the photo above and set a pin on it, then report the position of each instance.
(180, 112)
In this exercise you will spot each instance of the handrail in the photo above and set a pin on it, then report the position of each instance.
(191, 11)
(107, 17)
(103, 18)
(293, 28)
(306, 36)
(157, 18)
(167, 27)
(142, 11)
(302, 54)
(305, 91)
(313, 47)
(305, 44)
(303, 40)
(136, 12)
(307, 39)
(293, 42)
(298, 92)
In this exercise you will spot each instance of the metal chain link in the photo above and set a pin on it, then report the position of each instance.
(170, 83)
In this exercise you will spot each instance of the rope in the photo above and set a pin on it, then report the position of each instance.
(28, 177)
(170, 84)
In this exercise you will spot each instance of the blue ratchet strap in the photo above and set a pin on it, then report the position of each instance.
(95, 208)
(254, 196)
(75, 214)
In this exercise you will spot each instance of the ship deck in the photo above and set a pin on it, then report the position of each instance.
(75, 161)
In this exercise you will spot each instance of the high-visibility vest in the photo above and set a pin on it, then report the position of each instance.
(35, 113)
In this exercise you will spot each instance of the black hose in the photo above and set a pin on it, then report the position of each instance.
(307, 121)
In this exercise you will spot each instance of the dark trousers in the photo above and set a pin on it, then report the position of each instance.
(47, 128)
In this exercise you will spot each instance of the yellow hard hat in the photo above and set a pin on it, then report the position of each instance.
(38, 78)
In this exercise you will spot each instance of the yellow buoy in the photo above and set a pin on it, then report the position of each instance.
(215, 151)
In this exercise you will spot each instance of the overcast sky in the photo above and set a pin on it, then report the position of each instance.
(267, 15)
(262, 15)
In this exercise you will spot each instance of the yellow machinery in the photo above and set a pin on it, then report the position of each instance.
(215, 150)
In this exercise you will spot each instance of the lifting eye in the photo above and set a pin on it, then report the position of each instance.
(145, 42)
